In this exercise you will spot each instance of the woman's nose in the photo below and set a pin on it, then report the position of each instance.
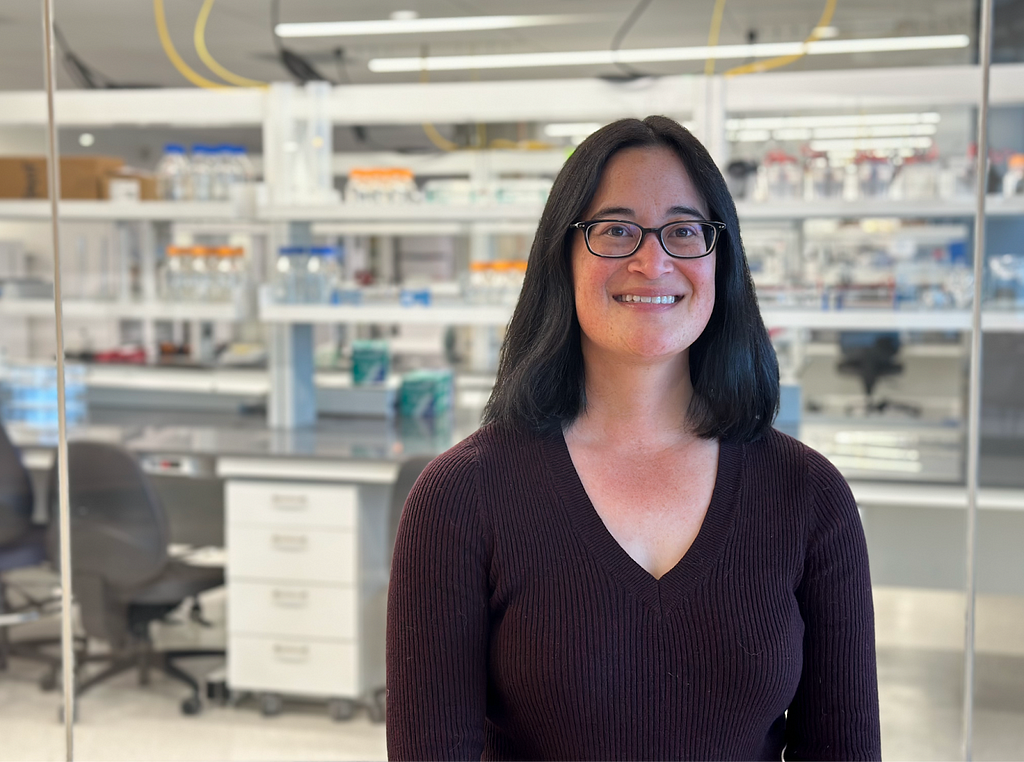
(651, 260)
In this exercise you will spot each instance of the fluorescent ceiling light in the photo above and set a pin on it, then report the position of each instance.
(887, 131)
(419, 25)
(842, 120)
(832, 133)
(571, 129)
(652, 55)
(871, 144)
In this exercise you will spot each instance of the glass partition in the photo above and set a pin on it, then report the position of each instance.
(30, 588)
(275, 315)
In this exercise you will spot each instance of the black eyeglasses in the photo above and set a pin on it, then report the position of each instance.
(614, 239)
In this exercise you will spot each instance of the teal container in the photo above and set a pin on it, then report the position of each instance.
(371, 362)
(426, 394)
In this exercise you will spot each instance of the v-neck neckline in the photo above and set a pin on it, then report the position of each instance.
(664, 593)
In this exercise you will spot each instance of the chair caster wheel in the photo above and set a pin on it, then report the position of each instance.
(191, 706)
(341, 709)
(218, 693)
(271, 705)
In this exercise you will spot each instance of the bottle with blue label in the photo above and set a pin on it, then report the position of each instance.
(307, 275)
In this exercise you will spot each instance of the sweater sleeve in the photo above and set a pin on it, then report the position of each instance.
(834, 715)
(437, 632)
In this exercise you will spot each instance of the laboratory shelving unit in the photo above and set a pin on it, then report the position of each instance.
(703, 102)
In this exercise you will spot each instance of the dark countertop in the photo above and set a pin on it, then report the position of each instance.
(215, 434)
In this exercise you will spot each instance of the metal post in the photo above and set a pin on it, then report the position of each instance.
(974, 397)
(292, 399)
(67, 636)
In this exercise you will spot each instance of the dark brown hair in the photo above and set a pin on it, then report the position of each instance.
(733, 367)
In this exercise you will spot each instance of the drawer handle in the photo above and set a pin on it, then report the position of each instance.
(289, 502)
(290, 599)
(291, 653)
(291, 543)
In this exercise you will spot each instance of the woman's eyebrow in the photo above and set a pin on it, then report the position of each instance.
(676, 210)
(622, 211)
(625, 211)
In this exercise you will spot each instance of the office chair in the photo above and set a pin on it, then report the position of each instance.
(871, 356)
(22, 545)
(123, 579)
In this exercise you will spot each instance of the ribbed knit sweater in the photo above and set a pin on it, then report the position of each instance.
(518, 628)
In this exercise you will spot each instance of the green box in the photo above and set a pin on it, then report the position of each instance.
(371, 362)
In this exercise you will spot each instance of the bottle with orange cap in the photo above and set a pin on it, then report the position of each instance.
(1013, 180)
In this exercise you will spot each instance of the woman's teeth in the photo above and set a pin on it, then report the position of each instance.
(647, 299)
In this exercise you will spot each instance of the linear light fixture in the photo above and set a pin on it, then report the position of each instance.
(420, 25)
(872, 144)
(832, 133)
(653, 55)
(839, 120)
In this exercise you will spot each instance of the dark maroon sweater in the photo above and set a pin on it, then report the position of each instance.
(519, 629)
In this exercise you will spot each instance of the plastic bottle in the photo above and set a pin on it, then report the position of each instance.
(174, 174)
(199, 273)
(226, 277)
(174, 273)
(246, 169)
(223, 172)
(1013, 180)
(779, 177)
(291, 261)
(324, 274)
(202, 173)
(874, 176)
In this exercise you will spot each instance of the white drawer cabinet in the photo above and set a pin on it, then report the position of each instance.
(260, 608)
(294, 665)
(292, 553)
(295, 504)
(307, 579)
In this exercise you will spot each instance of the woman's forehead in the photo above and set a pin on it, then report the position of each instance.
(651, 178)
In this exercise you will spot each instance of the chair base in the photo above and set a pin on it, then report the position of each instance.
(143, 658)
(880, 407)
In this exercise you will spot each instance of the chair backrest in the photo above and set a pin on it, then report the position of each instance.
(408, 473)
(15, 493)
(870, 355)
(119, 530)
(877, 346)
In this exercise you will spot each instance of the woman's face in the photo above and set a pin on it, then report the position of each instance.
(648, 186)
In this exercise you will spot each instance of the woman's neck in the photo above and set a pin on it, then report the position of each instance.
(630, 403)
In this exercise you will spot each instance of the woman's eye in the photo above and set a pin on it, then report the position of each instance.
(617, 231)
(685, 231)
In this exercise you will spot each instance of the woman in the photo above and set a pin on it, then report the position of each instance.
(626, 560)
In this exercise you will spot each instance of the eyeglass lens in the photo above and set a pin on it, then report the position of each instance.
(620, 239)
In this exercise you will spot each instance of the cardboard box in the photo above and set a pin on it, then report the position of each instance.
(129, 186)
(23, 177)
(81, 177)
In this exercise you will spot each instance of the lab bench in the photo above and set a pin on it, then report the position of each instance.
(304, 515)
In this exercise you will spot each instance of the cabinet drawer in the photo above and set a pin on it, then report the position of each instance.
(291, 504)
(291, 665)
(258, 608)
(300, 555)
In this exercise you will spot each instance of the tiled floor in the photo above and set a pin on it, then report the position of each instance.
(920, 661)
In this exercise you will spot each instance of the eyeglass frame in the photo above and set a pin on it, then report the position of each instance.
(585, 226)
